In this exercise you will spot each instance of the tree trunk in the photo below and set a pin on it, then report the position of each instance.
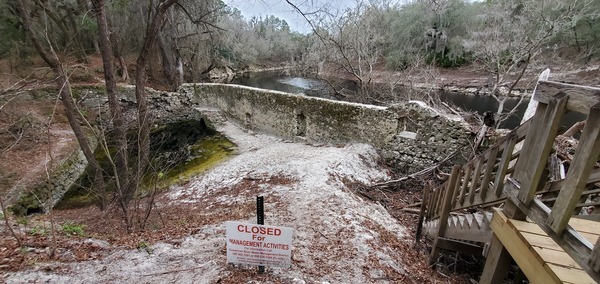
(140, 92)
(168, 69)
(116, 49)
(154, 65)
(62, 82)
(122, 175)
(178, 71)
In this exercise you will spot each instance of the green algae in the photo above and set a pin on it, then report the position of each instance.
(207, 154)
(207, 148)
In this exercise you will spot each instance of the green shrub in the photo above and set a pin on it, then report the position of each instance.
(73, 229)
(144, 245)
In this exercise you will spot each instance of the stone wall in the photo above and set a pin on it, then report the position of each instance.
(424, 138)
(297, 117)
(47, 194)
(410, 136)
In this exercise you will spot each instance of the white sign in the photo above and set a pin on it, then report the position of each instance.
(258, 244)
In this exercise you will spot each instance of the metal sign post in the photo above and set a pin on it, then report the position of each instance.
(260, 220)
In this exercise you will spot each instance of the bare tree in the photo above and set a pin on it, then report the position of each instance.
(351, 39)
(122, 173)
(128, 180)
(510, 34)
(51, 58)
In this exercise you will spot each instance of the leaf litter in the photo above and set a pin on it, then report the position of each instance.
(339, 236)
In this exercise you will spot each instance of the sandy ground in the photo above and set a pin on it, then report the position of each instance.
(338, 236)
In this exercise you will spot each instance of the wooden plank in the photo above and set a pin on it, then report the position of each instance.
(579, 172)
(487, 173)
(429, 205)
(504, 163)
(556, 257)
(521, 252)
(591, 237)
(465, 184)
(587, 226)
(434, 202)
(483, 235)
(522, 130)
(546, 123)
(551, 254)
(475, 179)
(556, 185)
(445, 213)
(572, 242)
(581, 98)
(455, 245)
(422, 214)
(528, 227)
(594, 176)
(457, 192)
(541, 241)
(571, 275)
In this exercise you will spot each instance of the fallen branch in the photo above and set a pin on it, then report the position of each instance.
(417, 174)
(175, 270)
(576, 128)
(451, 109)
(12, 232)
(411, 210)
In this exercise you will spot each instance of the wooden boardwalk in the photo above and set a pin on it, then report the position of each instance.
(538, 226)
(538, 255)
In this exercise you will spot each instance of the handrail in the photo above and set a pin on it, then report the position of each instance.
(482, 181)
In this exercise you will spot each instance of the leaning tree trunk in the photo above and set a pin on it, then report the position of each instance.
(62, 82)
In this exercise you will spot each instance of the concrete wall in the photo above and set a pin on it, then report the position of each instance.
(295, 116)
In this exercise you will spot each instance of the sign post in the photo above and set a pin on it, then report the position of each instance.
(259, 244)
(260, 219)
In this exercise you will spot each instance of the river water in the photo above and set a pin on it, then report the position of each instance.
(282, 81)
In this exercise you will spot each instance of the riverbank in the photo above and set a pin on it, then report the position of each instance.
(473, 80)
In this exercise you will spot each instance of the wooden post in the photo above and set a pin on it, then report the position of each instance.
(445, 212)
(578, 174)
(594, 261)
(496, 264)
(458, 185)
(475, 179)
(509, 145)
(498, 258)
(538, 144)
(487, 173)
(465, 184)
(422, 214)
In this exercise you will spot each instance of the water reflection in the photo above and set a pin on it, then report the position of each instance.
(303, 83)
(267, 80)
(481, 104)
(282, 81)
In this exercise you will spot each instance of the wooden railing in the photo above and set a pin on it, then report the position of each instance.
(503, 174)
(478, 183)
